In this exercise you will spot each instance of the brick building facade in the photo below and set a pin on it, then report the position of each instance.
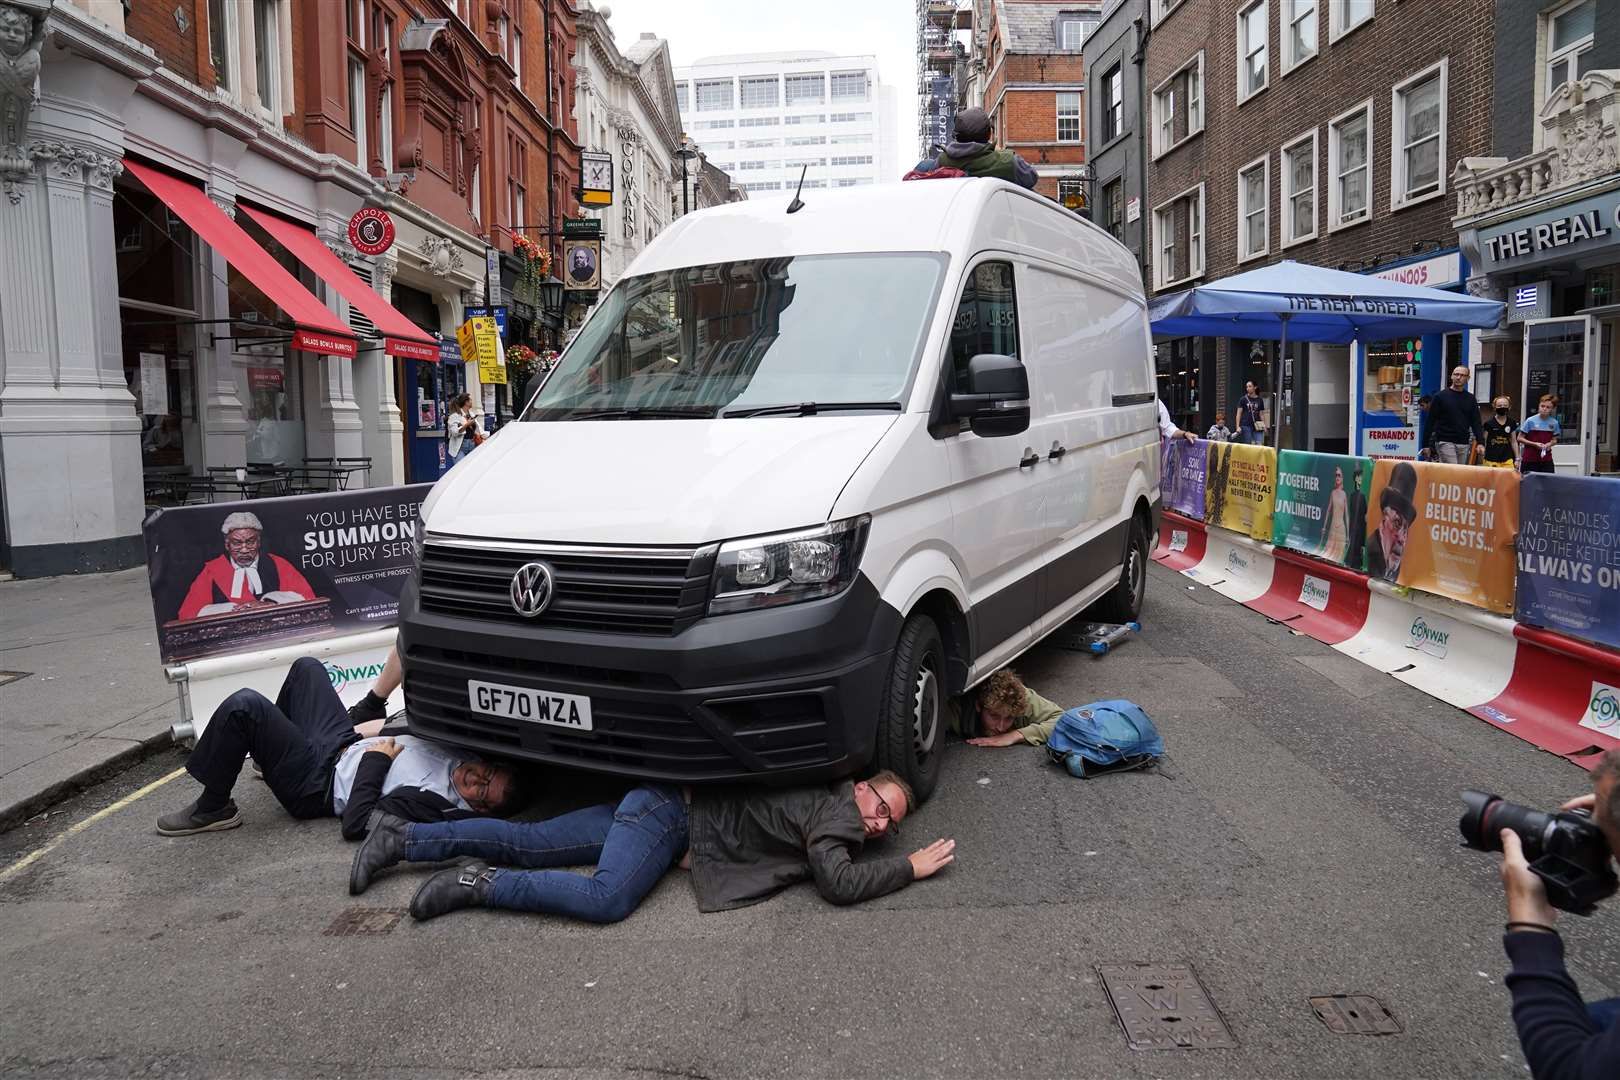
(1318, 132)
(1035, 88)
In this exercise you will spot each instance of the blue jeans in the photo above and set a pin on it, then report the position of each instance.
(1604, 1013)
(632, 845)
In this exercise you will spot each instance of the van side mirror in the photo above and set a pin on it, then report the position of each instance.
(997, 399)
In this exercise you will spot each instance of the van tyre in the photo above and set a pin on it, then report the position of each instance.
(1123, 603)
(912, 716)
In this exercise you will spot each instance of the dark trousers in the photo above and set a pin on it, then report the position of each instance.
(295, 740)
(1536, 466)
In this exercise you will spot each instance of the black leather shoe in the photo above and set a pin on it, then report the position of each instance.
(383, 846)
(192, 820)
(464, 886)
(367, 708)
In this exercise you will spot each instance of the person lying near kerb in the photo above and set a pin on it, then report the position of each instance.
(317, 765)
(1013, 714)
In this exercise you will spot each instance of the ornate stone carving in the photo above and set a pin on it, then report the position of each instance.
(337, 243)
(225, 204)
(382, 273)
(441, 255)
(21, 36)
(103, 170)
(1487, 288)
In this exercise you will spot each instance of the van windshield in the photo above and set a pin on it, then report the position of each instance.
(743, 337)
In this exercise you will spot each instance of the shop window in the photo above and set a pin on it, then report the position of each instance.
(1350, 175)
(1299, 189)
(1418, 150)
(1068, 117)
(1113, 105)
(986, 319)
(1299, 32)
(760, 93)
(1113, 209)
(1253, 55)
(1254, 209)
(1178, 226)
(1347, 15)
(1178, 107)
(1569, 42)
(1179, 367)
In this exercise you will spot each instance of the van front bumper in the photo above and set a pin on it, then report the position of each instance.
(782, 695)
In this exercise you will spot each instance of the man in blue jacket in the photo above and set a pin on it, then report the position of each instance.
(1563, 1038)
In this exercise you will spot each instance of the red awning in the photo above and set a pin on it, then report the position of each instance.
(401, 337)
(318, 329)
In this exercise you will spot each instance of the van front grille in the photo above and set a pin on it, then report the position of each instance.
(657, 591)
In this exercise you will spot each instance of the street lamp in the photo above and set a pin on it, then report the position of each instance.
(551, 295)
(686, 152)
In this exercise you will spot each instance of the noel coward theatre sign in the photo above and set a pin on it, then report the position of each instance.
(1570, 231)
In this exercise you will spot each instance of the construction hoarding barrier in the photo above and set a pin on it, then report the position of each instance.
(1445, 529)
(1322, 506)
(1240, 483)
(1569, 556)
(1182, 467)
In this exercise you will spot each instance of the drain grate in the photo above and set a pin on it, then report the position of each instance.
(13, 676)
(1355, 1014)
(1164, 1007)
(364, 920)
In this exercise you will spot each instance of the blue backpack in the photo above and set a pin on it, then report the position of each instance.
(1103, 737)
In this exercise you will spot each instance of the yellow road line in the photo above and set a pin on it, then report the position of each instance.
(34, 856)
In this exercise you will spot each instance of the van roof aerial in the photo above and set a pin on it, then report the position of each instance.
(798, 204)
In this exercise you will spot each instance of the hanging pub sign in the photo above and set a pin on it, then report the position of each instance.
(596, 178)
(582, 263)
(371, 231)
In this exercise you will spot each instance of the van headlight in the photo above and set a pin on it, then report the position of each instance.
(787, 568)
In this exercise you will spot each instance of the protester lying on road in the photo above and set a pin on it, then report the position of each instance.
(742, 846)
(317, 765)
(1013, 714)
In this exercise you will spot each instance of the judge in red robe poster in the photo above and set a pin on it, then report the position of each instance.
(243, 577)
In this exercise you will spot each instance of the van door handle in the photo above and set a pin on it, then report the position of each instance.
(1057, 452)
(1030, 459)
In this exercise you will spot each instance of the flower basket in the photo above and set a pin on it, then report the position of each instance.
(536, 261)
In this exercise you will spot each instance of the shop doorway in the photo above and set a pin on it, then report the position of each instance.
(1574, 359)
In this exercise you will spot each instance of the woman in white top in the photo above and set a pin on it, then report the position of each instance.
(462, 424)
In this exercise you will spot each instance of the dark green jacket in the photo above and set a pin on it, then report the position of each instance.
(982, 159)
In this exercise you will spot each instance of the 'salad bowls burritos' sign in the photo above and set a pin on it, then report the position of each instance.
(237, 577)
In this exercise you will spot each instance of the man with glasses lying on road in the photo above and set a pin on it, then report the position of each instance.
(742, 846)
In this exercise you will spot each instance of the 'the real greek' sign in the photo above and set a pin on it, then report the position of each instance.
(1575, 228)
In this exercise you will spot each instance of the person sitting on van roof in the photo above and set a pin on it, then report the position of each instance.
(742, 846)
(318, 765)
(973, 153)
(1013, 713)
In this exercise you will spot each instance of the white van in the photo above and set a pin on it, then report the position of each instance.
(802, 476)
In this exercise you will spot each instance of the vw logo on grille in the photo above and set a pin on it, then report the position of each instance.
(532, 589)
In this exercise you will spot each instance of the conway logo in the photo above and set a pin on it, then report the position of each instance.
(1234, 561)
(1429, 639)
(1315, 592)
(1603, 710)
(342, 676)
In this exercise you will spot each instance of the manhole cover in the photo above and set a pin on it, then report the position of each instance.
(1355, 1014)
(364, 920)
(13, 676)
(1164, 1007)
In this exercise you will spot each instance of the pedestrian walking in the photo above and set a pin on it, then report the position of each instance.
(462, 427)
(1538, 435)
(1501, 435)
(1251, 415)
(1454, 425)
(1218, 431)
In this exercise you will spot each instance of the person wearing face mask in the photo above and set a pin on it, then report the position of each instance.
(743, 846)
(1501, 435)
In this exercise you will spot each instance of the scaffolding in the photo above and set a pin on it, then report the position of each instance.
(941, 58)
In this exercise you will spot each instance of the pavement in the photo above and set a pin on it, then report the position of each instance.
(1299, 840)
(82, 693)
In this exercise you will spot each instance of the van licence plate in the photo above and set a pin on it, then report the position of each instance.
(538, 706)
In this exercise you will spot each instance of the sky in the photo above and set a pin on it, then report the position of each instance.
(698, 28)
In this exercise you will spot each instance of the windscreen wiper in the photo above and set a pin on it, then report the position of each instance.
(810, 408)
(643, 412)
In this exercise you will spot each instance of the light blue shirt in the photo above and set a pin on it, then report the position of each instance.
(420, 764)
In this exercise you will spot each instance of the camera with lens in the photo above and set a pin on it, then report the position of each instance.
(1566, 850)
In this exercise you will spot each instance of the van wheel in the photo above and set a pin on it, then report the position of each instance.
(911, 721)
(1123, 603)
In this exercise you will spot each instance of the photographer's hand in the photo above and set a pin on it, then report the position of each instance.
(1526, 893)
(1587, 802)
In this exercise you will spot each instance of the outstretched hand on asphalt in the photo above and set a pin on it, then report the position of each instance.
(932, 859)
